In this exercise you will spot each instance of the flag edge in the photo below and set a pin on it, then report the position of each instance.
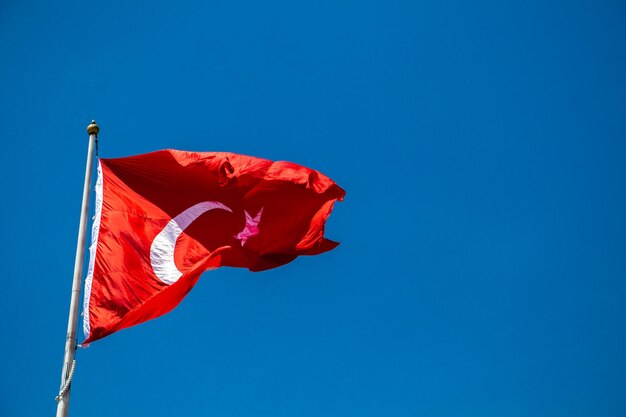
(95, 231)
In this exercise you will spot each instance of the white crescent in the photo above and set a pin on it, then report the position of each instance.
(163, 245)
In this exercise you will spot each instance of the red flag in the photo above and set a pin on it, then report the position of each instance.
(165, 217)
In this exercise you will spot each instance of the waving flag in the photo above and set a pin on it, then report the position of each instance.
(165, 217)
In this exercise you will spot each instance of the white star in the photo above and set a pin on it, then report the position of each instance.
(251, 228)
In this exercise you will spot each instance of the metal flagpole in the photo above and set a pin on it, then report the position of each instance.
(63, 398)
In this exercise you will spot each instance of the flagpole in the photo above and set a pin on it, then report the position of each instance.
(63, 399)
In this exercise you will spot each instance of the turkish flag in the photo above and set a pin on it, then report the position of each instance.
(165, 217)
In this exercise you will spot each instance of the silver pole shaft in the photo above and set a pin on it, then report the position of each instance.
(70, 340)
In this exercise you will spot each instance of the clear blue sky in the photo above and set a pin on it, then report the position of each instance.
(482, 145)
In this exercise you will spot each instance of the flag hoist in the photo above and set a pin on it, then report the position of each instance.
(63, 399)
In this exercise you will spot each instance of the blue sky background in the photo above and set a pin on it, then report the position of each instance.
(482, 270)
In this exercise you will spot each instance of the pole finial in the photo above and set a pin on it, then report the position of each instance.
(93, 128)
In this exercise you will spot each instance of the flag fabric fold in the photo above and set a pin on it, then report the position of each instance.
(164, 218)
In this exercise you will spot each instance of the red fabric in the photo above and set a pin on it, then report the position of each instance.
(286, 205)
